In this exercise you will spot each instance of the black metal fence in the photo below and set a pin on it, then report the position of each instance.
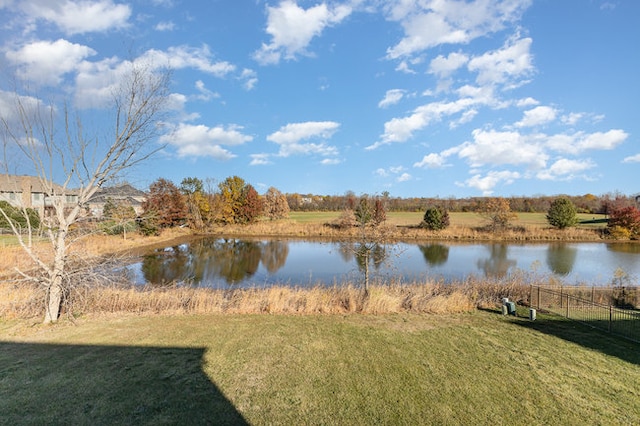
(579, 304)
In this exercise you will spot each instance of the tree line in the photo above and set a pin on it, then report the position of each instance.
(588, 203)
(195, 204)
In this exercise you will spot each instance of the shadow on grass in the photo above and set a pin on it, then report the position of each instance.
(584, 335)
(68, 384)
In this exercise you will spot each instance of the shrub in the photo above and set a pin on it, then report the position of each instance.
(497, 212)
(17, 217)
(624, 218)
(363, 211)
(435, 219)
(562, 213)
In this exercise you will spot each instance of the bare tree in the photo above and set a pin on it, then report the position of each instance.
(52, 143)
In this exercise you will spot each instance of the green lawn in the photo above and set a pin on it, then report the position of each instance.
(477, 368)
(468, 219)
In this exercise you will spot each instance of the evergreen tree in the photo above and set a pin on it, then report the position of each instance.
(562, 213)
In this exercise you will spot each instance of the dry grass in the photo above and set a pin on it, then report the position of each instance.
(23, 301)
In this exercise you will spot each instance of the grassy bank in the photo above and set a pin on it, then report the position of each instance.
(24, 301)
(471, 368)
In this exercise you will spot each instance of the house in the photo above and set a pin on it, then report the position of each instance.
(33, 192)
(119, 194)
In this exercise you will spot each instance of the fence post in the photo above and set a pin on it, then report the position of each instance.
(610, 317)
(567, 307)
(538, 297)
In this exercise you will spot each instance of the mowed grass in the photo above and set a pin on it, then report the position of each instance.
(472, 368)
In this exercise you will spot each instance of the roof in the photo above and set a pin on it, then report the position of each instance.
(124, 191)
(14, 183)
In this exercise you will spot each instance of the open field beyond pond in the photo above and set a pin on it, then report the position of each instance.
(466, 219)
(471, 368)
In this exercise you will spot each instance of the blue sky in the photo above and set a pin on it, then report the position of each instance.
(420, 98)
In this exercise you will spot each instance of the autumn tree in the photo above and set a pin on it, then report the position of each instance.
(119, 218)
(164, 206)
(379, 212)
(275, 204)
(562, 213)
(251, 205)
(239, 202)
(497, 212)
(55, 143)
(624, 222)
(198, 207)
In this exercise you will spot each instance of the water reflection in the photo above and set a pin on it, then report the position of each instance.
(208, 259)
(561, 258)
(233, 262)
(435, 254)
(498, 264)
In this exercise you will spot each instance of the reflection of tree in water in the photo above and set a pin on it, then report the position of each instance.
(371, 253)
(166, 266)
(206, 260)
(274, 255)
(497, 265)
(435, 254)
(236, 260)
(631, 248)
(561, 258)
(347, 251)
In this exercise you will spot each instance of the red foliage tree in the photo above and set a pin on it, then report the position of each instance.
(251, 208)
(626, 218)
(165, 204)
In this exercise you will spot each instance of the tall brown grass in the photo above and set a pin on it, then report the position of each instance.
(24, 301)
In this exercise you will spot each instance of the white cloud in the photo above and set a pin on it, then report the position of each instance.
(444, 67)
(292, 28)
(402, 129)
(79, 17)
(603, 141)
(381, 172)
(95, 80)
(404, 177)
(249, 78)
(564, 169)
(180, 57)
(205, 94)
(431, 161)
(392, 97)
(295, 132)
(429, 24)
(491, 147)
(46, 62)
(505, 65)
(537, 116)
(632, 159)
(526, 102)
(572, 118)
(578, 142)
(487, 183)
(260, 160)
(330, 161)
(200, 140)
(165, 26)
(289, 138)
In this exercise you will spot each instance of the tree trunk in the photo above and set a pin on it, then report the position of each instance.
(54, 300)
(55, 286)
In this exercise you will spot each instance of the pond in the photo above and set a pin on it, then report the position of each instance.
(227, 262)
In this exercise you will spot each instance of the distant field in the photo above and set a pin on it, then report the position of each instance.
(456, 218)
